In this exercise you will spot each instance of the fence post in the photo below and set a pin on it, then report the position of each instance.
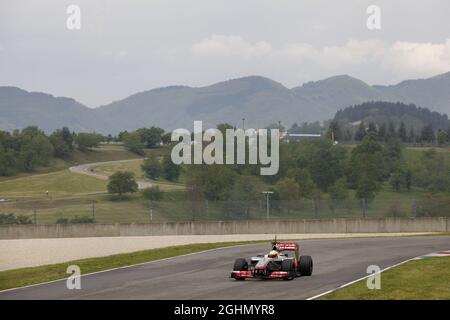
(150, 205)
(364, 207)
(414, 208)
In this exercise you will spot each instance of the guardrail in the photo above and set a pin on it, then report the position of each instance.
(380, 225)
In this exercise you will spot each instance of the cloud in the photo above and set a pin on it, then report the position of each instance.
(425, 58)
(231, 46)
(404, 59)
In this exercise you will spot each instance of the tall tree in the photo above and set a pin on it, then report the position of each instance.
(372, 128)
(360, 132)
(152, 168)
(427, 134)
(411, 136)
(303, 179)
(338, 193)
(442, 137)
(324, 161)
(87, 141)
(334, 131)
(382, 132)
(289, 192)
(402, 132)
(367, 169)
(171, 171)
(391, 130)
(133, 143)
(245, 192)
(122, 182)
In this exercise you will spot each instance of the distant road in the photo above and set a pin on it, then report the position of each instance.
(206, 275)
(88, 169)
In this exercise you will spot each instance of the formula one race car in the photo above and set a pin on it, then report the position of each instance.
(283, 262)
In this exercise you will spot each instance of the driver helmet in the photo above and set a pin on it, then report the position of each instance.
(273, 254)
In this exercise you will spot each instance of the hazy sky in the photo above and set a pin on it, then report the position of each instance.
(128, 46)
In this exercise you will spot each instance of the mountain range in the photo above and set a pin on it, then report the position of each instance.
(261, 101)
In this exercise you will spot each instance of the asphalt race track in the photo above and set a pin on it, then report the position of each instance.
(206, 275)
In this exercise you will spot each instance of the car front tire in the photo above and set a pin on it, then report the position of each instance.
(288, 266)
(305, 265)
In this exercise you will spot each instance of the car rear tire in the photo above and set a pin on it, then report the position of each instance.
(288, 266)
(240, 264)
(305, 265)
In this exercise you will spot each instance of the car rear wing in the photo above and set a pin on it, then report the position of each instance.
(285, 246)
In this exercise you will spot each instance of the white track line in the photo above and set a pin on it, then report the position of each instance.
(127, 266)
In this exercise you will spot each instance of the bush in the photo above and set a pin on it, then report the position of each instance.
(21, 219)
(82, 219)
(10, 218)
(153, 193)
(7, 218)
(76, 219)
(62, 221)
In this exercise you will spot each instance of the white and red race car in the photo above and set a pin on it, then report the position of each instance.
(286, 265)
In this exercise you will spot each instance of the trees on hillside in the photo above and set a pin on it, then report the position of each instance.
(367, 169)
(338, 193)
(86, 141)
(136, 141)
(431, 172)
(62, 141)
(384, 112)
(132, 142)
(289, 192)
(244, 193)
(304, 182)
(24, 150)
(151, 137)
(324, 161)
(154, 168)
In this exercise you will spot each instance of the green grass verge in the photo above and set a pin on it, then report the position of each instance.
(27, 276)
(426, 279)
(60, 183)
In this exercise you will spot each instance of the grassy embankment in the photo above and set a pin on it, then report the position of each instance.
(428, 279)
(103, 153)
(73, 194)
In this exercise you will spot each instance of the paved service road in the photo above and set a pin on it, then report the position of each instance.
(206, 275)
(88, 169)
